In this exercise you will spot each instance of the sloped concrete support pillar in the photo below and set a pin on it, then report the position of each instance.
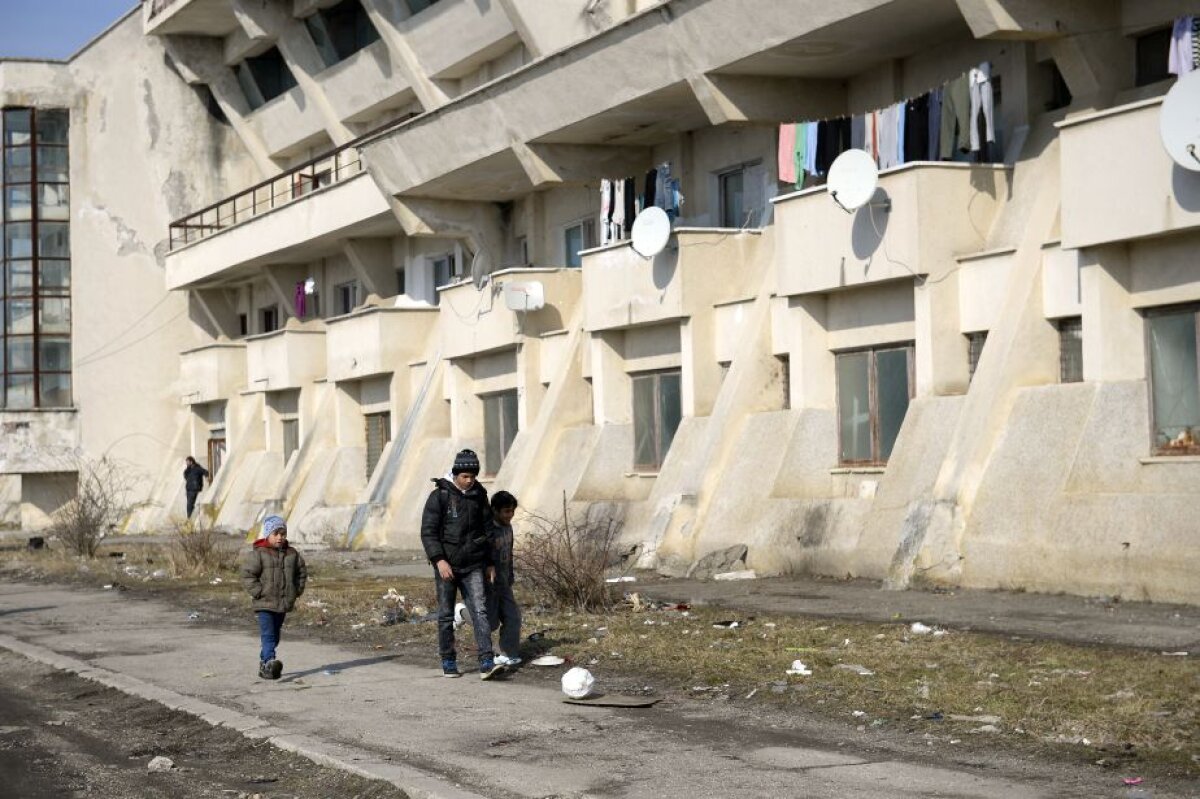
(754, 98)
(385, 14)
(476, 223)
(1034, 19)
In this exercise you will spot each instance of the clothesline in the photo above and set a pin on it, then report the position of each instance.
(1184, 56)
(931, 126)
(620, 202)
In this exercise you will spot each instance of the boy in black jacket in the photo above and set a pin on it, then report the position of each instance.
(454, 533)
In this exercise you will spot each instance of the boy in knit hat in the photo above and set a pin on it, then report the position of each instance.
(274, 574)
(454, 533)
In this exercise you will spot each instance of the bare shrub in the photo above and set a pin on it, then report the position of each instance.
(199, 550)
(101, 501)
(563, 561)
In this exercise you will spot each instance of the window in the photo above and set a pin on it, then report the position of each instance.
(291, 438)
(379, 433)
(580, 236)
(499, 429)
(657, 411)
(975, 342)
(873, 390)
(346, 296)
(401, 288)
(341, 31)
(1059, 92)
(243, 325)
(264, 77)
(269, 318)
(1174, 381)
(35, 284)
(741, 193)
(1153, 53)
(417, 6)
(785, 374)
(216, 453)
(1070, 349)
(733, 198)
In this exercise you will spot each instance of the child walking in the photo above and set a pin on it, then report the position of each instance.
(503, 612)
(274, 575)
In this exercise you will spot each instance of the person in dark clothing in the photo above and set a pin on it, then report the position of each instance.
(193, 482)
(504, 614)
(454, 533)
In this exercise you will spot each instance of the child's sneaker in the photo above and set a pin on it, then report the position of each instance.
(506, 661)
(489, 668)
(450, 669)
(264, 671)
(276, 668)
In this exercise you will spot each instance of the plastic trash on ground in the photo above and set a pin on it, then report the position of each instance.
(918, 628)
(627, 578)
(577, 683)
(547, 660)
(747, 574)
(798, 669)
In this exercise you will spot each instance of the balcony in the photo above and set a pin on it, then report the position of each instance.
(475, 321)
(194, 17)
(284, 359)
(937, 211)
(701, 267)
(375, 341)
(1116, 154)
(212, 372)
(364, 84)
(480, 32)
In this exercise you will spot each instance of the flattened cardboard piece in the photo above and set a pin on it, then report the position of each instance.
(613, 700)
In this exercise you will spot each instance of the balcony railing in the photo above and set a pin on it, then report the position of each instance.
(159, 6)
(298, 182)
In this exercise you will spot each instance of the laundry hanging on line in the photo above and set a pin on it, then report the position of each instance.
(1184, 55)
(621, 202)
(934, 126)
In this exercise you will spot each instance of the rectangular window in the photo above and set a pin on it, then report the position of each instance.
(657, 412)
(216, 455)
(347, 297)
(35, 288)
(341, 31)
(443, 270)
(269, 317)
(873, 391)
(1070, 349)
(291, 438)
(401, 288)
(243, 325)
(1174, 381)
(1152, 55)
(733, 198)
(417, 6)
(499, 429)
(785, 374)
(580, 236)
(379, 433)
(975, 342)
(264, 77)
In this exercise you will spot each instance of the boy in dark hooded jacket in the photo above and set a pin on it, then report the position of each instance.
(274, 575)
(454, 533)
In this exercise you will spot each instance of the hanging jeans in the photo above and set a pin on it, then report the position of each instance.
(471, 584)
(981, 101)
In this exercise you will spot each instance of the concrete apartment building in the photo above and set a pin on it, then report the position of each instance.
(323, 245)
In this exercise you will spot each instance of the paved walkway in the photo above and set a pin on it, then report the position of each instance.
(465, 738)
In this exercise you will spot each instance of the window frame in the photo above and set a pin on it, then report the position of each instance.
(587, 238)
(976, 341)
(1075, 324)
(384, 420)
(350, 288)
(504, 438)
(876, 460)
(271, 312)
(661, 451)
(1150, 313)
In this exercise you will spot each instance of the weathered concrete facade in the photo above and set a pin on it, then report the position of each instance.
(419, 270)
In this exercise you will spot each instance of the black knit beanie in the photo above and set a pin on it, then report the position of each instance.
(465, 461)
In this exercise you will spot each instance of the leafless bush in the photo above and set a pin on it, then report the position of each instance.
(563, 561)
(101, 501)
(200, 549)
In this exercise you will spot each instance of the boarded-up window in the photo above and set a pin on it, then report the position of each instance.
(291, 438)
(1070, 349)
(1175, 382)
(874, 388)
(216, 456)
(975, 342)
(499, 428)
(379, 433)
(657, 411)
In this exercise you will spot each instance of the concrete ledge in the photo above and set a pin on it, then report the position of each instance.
(416, 784)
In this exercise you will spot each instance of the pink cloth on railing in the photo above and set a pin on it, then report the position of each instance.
(301, 301)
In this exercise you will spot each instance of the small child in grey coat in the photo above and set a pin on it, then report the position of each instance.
(503, 611)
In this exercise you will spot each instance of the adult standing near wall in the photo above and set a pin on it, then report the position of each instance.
(193, 482)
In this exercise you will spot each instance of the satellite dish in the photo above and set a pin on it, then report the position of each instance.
(1179, 121)
(524, 297)
(650, 233)
(853, 178)
(480, 268)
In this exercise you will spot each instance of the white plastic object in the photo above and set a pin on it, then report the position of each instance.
(651, 231)
(577, 683)
(853, 178)
(524, 296)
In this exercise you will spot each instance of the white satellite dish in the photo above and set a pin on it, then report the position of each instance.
(524, 297)
(853, 178)
(651, 231)
(1179, 121)
(481, 268)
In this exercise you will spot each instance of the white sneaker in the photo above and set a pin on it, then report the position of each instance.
(505, 660)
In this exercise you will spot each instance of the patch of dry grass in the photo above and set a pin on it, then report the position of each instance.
(1110, 705)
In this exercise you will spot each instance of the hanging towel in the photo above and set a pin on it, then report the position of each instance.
(871, 135)
(301, 301)
(605, 209)
(800, 153)
(981, 102)
(810, 148)
(787, 153)
(956, 119)
(935, 124)
(1181, 59)
(900, 132)
(618, 209)
(887, 132)
(858, 132)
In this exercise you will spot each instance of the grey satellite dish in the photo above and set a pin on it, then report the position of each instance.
(1179, 121)
(480, 268)
(853, 178)
(651, 231)
(522, 297)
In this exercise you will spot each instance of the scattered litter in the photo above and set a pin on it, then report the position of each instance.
(108, 586)
(918, 628)
(935, 716)
(726, 625)
(460, 615)
(625, 578)
(194, 616)
(975, 719)
(329, 672)
(752, 693)
(547, 660)
(215, 581)
(1181, 654)
(748, 574)
(938, 633)
(160, 763)
(392, 596)
(1133, 780)
(987, 728)
(603, 700)
(800, 649)
(536, 636)
(880, 637)
(358, 626)
(858, 714)
(799, 669)
(319, 604)
(206, 675)
(861, 671)
(577, 682)
(159, 574)
(769, 624)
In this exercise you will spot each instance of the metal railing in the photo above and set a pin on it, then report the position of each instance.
(159, 6)
(295, 184)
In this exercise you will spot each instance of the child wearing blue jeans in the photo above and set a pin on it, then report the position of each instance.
(274, 575)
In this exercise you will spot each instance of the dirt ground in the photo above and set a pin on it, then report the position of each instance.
(63, 736)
